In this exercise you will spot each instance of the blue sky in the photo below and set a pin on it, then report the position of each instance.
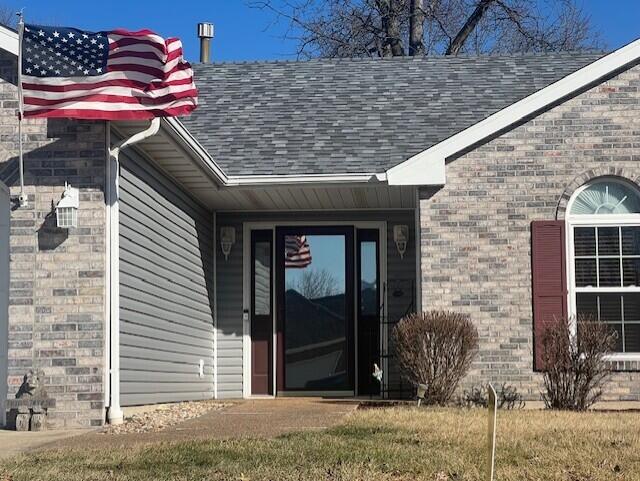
(241, 32)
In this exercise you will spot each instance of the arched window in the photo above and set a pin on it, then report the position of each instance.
(606, 197)
(603, 225)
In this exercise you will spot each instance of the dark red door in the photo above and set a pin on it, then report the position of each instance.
(261, 312)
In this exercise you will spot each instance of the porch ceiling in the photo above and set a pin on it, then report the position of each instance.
(292, 197)
(206, 185)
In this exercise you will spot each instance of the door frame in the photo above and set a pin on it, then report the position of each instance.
(247, 227)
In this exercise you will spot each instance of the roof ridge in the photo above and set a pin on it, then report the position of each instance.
(464, 56)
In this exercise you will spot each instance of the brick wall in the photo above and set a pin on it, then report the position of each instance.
(476, 229)
(57, 301)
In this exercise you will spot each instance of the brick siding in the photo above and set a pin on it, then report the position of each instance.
(57, 291)
(476, 237)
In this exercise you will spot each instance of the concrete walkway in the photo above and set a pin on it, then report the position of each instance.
(12, 442)
(252, 418)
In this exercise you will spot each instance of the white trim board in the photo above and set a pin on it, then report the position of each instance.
(419, 169)
(8, 40)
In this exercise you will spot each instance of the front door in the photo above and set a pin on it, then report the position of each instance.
(314, 279)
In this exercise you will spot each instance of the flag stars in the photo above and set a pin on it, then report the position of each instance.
(49, 53)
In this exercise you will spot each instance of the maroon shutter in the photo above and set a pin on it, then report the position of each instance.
(548, 270)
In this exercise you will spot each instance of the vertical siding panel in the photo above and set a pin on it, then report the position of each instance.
(166, 288)
(229, 305)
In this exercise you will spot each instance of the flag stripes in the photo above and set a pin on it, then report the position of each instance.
(104, 75)
(297, 253)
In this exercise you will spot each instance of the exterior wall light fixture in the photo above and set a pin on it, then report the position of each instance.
(227, 239)
(401, 238)
(67, 208)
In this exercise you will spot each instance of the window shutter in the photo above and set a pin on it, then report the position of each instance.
(549, 283)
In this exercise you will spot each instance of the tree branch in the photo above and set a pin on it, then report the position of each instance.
(469, 26)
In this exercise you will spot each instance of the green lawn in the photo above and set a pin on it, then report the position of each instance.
(371, 445)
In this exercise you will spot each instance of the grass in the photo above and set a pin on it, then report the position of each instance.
(376, 445)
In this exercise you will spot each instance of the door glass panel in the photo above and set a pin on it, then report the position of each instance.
(368, 278)
(316, 312)
(262, 279)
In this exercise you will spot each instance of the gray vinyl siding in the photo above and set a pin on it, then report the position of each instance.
(4, 296)
(401, 275)
(166, 288)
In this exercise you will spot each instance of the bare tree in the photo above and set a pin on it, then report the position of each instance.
(8, 16)
(385, 28)
(315, 284)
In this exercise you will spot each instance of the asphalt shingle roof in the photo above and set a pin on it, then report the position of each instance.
(343, 115)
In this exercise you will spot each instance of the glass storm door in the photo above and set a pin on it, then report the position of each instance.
(368, 285)
(315, 304)
(261, 313)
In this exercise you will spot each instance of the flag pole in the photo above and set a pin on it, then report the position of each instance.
(23, 197)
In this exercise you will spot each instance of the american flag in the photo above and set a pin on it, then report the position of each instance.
(110, 75)
(297, 253)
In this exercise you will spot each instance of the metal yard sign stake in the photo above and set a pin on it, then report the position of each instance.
(491, 438)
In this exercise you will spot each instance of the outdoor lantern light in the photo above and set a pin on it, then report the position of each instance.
(401, 238)
(227, 239)
(67, 208)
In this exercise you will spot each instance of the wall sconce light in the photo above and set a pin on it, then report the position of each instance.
(67, 208)
(401, 238)
(227, 239)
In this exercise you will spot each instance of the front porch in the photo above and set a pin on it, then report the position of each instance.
(316, 327)
(299, 328)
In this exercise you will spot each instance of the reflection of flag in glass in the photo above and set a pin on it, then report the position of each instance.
(297, 253)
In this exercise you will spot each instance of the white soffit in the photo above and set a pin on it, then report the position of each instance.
(421, 168)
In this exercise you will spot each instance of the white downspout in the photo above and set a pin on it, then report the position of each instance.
(115, 415)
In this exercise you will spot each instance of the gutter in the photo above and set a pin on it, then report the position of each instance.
(260, 180)
(115, 415)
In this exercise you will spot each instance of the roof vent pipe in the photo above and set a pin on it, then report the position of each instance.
(205, 32)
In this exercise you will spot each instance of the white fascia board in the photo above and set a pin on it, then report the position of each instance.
(422, 168)
(263, 180)
(9, 40)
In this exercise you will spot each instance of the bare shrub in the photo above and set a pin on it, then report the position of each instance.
(575, 365)
(435, 348)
